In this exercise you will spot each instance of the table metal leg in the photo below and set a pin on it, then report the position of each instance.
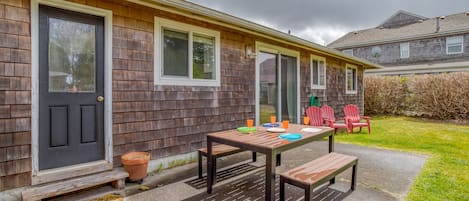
(200, 163)
(209, 166)
(354, 177)
(331, 149)
(278, 159)
(270, 176)
(308, 193)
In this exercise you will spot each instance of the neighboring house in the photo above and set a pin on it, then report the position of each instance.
(410, 44)
(83, 82)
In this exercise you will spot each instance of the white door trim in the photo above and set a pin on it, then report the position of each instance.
(264, 47)
(107, 14)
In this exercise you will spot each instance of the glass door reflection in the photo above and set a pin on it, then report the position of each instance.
(268, 70)
(278, 87)
(289, 103)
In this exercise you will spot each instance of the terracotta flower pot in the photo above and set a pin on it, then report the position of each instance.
(136, 163)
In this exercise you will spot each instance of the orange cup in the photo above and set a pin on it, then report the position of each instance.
(306, 120)
(273, 119)
(250, 122)
(285, 124)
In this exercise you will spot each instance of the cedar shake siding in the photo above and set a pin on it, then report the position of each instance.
(15, 94)
(422, 51)
(334, 95)
(424, 44)
(161, 119)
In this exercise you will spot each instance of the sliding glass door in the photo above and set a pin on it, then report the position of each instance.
(278, 87)
(289, 88)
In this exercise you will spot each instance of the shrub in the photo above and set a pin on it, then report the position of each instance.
(385, 94)
(443, 96)
(438, 96)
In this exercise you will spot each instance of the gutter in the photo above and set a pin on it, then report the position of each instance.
(223, 19)
(437, 68)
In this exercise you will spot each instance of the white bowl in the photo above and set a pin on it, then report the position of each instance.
(276, 130)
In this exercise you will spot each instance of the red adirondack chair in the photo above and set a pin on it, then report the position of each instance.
(330, 120)
(353, 118)
(315, 117)
(328, 113)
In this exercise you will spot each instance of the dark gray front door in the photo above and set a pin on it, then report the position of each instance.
(71, 86)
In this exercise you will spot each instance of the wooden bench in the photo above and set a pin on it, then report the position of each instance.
(218, 151)
(116, 177)
(317, 172)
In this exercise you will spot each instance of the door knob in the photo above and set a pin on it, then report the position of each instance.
(100, 98)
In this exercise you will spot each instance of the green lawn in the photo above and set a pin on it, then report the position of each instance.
(445, 176)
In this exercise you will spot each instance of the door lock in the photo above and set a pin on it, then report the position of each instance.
(100, 98)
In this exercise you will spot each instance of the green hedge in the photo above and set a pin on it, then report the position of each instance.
(437, 96)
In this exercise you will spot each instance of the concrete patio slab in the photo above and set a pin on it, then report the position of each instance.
(382, 175)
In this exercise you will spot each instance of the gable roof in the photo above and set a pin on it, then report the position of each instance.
(199, 12)
(450, 25)
(401, 18)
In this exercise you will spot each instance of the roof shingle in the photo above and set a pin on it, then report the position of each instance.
(455, 23)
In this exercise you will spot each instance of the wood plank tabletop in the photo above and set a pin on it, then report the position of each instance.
(265, 139)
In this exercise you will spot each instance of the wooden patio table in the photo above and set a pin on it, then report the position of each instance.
(264, 142)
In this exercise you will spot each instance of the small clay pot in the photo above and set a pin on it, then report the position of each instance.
(136, 163)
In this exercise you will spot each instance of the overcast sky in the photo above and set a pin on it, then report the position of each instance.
(323, 21)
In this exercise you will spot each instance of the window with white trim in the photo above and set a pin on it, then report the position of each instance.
(454, 45)
(348, 51)
(186, 54)
(405, 50)
(318, 72)
(350, 79)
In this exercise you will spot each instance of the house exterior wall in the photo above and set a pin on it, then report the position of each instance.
(15, 94)
(422, 51)
(335, 93)
(162, 120)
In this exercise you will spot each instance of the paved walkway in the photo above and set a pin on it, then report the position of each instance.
(382, 175)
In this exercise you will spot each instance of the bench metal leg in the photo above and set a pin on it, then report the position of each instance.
(278, 159)
(200, 164)
(214, 170)
(254, 156)
(354, 177)
(282, 189)
(308, 193)
(210, 169)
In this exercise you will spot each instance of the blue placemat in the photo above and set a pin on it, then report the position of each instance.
(270, 125)
(290, 136)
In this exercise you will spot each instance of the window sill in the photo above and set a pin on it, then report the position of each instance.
(187, 82)
(351, 92)
(451, 53)
(318, 87)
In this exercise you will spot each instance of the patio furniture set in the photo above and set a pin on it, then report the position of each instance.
(307, 176)
(325, 115)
